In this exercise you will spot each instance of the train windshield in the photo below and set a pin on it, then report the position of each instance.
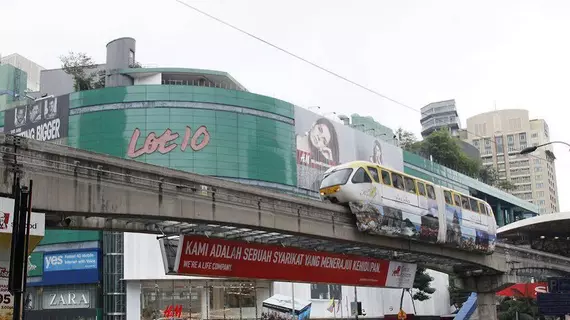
(337, 177)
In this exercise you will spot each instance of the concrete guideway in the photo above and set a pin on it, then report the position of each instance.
(85, 190)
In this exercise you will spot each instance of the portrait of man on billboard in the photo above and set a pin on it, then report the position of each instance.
(20, 117)
(35, 113)
(50, 108)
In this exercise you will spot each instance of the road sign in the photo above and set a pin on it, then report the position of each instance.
(402, 315)
(553, 304)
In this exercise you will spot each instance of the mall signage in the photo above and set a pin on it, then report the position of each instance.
(45, 119)
(66, 300)
(204, 256)
(168, 141)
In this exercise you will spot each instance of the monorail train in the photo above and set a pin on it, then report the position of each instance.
(389, 202)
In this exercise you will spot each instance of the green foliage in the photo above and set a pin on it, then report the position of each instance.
(457, 296)
(526, 308)
(488, 175)
(505, 185)
(422, 285)
(445, 150)
(82, 68)
(406, 138)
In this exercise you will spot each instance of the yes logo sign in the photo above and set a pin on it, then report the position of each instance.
(52, 261)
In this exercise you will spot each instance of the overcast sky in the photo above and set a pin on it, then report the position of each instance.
(512, 52)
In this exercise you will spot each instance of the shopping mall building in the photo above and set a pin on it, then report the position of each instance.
(204, 122)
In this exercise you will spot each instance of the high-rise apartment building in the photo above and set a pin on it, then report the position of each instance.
(438, 115)
(442, 115)
(500, 136)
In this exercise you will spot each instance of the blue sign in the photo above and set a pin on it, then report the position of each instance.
(78, 260)
(553, 304)
(69, 267)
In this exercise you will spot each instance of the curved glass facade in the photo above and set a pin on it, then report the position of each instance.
(210, 131)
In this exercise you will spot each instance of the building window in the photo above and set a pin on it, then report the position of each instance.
(522, 136)
(540, 185)
(510, 139)
(131, 58)
(326, 291)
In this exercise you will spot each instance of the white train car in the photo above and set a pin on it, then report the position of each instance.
(390, 202)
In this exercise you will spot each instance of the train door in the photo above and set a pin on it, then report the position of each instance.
(363, 187)
(441, 210)
(422, 195)
(492, 227)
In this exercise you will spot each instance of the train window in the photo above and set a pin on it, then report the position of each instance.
(482, 208)
(457, 200)
(431, 192)
(474, 205)
(398, 181)
(338, 177)
(410, 185)
(421, 188)
(488, 210)
(374, 173)
(361, 176)
(447, 196)
(386, 178)
(465, 203)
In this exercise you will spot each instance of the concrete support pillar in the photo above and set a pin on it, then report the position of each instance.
(511, 215)
(486, 306)
(499, 215)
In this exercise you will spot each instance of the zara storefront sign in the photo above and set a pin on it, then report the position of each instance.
(66, 300)
(45, 119)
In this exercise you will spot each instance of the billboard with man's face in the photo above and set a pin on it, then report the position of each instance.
(44, 120)
(323, 143)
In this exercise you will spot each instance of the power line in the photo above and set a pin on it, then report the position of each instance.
(325, 69)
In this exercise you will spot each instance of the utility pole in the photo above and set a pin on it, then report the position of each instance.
(20, 235)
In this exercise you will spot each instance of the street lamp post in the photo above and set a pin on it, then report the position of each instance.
(528, 150)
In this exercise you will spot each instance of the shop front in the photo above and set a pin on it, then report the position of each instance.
(63, 302)
(199, 298)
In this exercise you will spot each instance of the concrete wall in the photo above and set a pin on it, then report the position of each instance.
(120, 55)
(56, 82)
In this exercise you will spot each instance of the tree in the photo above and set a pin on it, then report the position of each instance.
(422, 285)
(488, 175)
(83, 70)
(505, 185)
(525, 307)
(405, 138)
(445, 150)
(421, 289)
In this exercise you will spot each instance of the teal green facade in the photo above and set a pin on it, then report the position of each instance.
(250, 137)
(12, 81)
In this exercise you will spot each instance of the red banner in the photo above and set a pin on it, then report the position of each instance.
(235, 259)
(528, 290)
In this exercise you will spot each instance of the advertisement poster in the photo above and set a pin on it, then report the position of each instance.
(45, 119)
(78, 260)
(204, 256)
(323, 143)
(6, 299)
(37, 226)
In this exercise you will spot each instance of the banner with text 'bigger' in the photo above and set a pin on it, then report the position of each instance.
(204, 256)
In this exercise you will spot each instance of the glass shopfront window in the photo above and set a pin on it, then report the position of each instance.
(202, 299)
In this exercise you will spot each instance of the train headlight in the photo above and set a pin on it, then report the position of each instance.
(329, 190)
